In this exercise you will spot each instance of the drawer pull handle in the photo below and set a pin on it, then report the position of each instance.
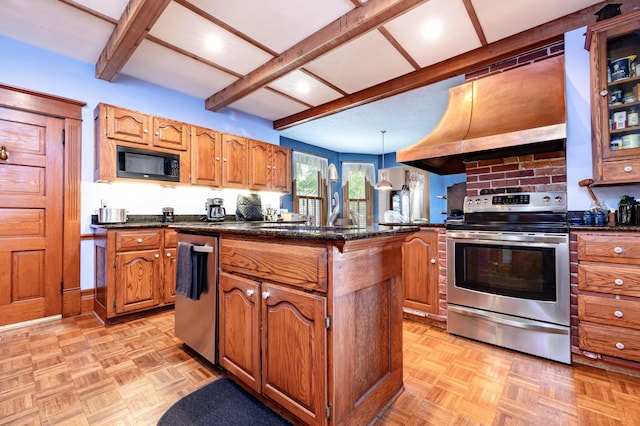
(618, 281)
(168, 254)
(628, 169)
(618, 250)
(604, 92)
(619, 345)
(250, 292)
(265, 295)
(618, 314)
(139, 240)
(157, 255)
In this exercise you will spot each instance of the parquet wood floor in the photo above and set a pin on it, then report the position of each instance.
(75, 371)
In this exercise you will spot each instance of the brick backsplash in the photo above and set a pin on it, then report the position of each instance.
(545, 171)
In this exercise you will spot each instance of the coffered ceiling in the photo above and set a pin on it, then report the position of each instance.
(328, 72)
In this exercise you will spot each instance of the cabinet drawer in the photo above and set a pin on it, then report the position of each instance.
(170, 238)
(302, 266)
(614, 279)
(609, 247)
(622, 313)
(608, 340)
(138, 240)
(622, 171)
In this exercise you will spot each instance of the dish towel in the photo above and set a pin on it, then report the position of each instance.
(191, 271)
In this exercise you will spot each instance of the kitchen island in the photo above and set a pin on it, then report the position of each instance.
(310, 318)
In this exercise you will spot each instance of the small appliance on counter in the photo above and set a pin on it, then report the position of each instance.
(109, 215)
(167, 214)
(249, 207)
(215, 210)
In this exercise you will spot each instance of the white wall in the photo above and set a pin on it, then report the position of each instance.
(578, 90)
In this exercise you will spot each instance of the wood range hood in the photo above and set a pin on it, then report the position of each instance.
(520, 111)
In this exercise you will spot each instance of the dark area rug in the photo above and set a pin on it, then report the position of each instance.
(220, 403)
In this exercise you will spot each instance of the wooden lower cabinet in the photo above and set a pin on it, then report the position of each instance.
(283, 333)
(135, 270)
(420, 274)
(314, 326)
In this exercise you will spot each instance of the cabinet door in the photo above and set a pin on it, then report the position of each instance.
(294, 351)
(239, 328)
(137, 280)
(206, 151)
(421, 272)
(127, 125)
(234, 161)
(170, 134)
(281, 169)
(169, 275)
(259, 165)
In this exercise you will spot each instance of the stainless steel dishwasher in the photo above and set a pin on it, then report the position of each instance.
(197, 320)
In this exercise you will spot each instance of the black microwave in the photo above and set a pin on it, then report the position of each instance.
(150, 165)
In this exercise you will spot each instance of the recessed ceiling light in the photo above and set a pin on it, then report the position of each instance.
(213, 43)
(432, 30)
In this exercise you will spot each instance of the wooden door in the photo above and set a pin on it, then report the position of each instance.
(138, 280)
(170, 134)
(206, 149)
(127, 125)
(281, 169)
(239, 322)
(294, 351)
(259, 165)
(169, 275)
(421, 272)
(234, 161)
(31, 214)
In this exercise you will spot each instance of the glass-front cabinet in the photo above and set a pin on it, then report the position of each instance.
(614, 46)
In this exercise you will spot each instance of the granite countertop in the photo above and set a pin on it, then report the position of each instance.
(605, 228)
(294, 230)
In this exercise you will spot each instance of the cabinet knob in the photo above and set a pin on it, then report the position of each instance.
(250, 292)
(168, 254)
(268, 167)
(433, 261)
(265, 295)
(139, 240)
(145, 131)
(618, 250)
(157, 133)
(224, 160)
(157, 255)
(217, 158)
(273, 167)
(619, 345)
(604, 92)
(618, 314)
(628, 169)
(4, 154)
(618, 281)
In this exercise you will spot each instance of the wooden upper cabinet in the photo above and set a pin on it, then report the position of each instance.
(170, 134)
(206, 152)
(234, 161)
(269, 167)
(614, 45)
(127, 125)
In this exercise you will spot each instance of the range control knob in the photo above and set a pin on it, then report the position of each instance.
(558, 199)
(546, 198)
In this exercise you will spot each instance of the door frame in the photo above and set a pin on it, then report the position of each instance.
(71, 111)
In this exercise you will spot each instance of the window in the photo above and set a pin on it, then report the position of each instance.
(357, 192)
(309, 185)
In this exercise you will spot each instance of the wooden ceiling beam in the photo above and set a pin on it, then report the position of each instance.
(503, 49)
(136, 21)
(355, 23)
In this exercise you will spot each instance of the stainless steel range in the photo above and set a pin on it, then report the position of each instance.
(508, 273)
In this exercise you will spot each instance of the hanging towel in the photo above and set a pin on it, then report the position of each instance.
(191, 272)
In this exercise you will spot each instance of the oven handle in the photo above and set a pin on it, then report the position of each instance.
(550, 328)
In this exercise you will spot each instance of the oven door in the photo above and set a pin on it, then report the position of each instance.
(514, 273)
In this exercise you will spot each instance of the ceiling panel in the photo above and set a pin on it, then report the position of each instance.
(361, 63)
(435, 31)
(156, 64)
(111, 8)
(277, 24)
(304, 87)
(55, 26)
(180, 27)
(500, 19)
(267, 104)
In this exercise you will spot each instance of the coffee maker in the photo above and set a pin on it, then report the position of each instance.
(215, 211)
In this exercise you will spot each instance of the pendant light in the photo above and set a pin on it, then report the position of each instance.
(383, 184)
